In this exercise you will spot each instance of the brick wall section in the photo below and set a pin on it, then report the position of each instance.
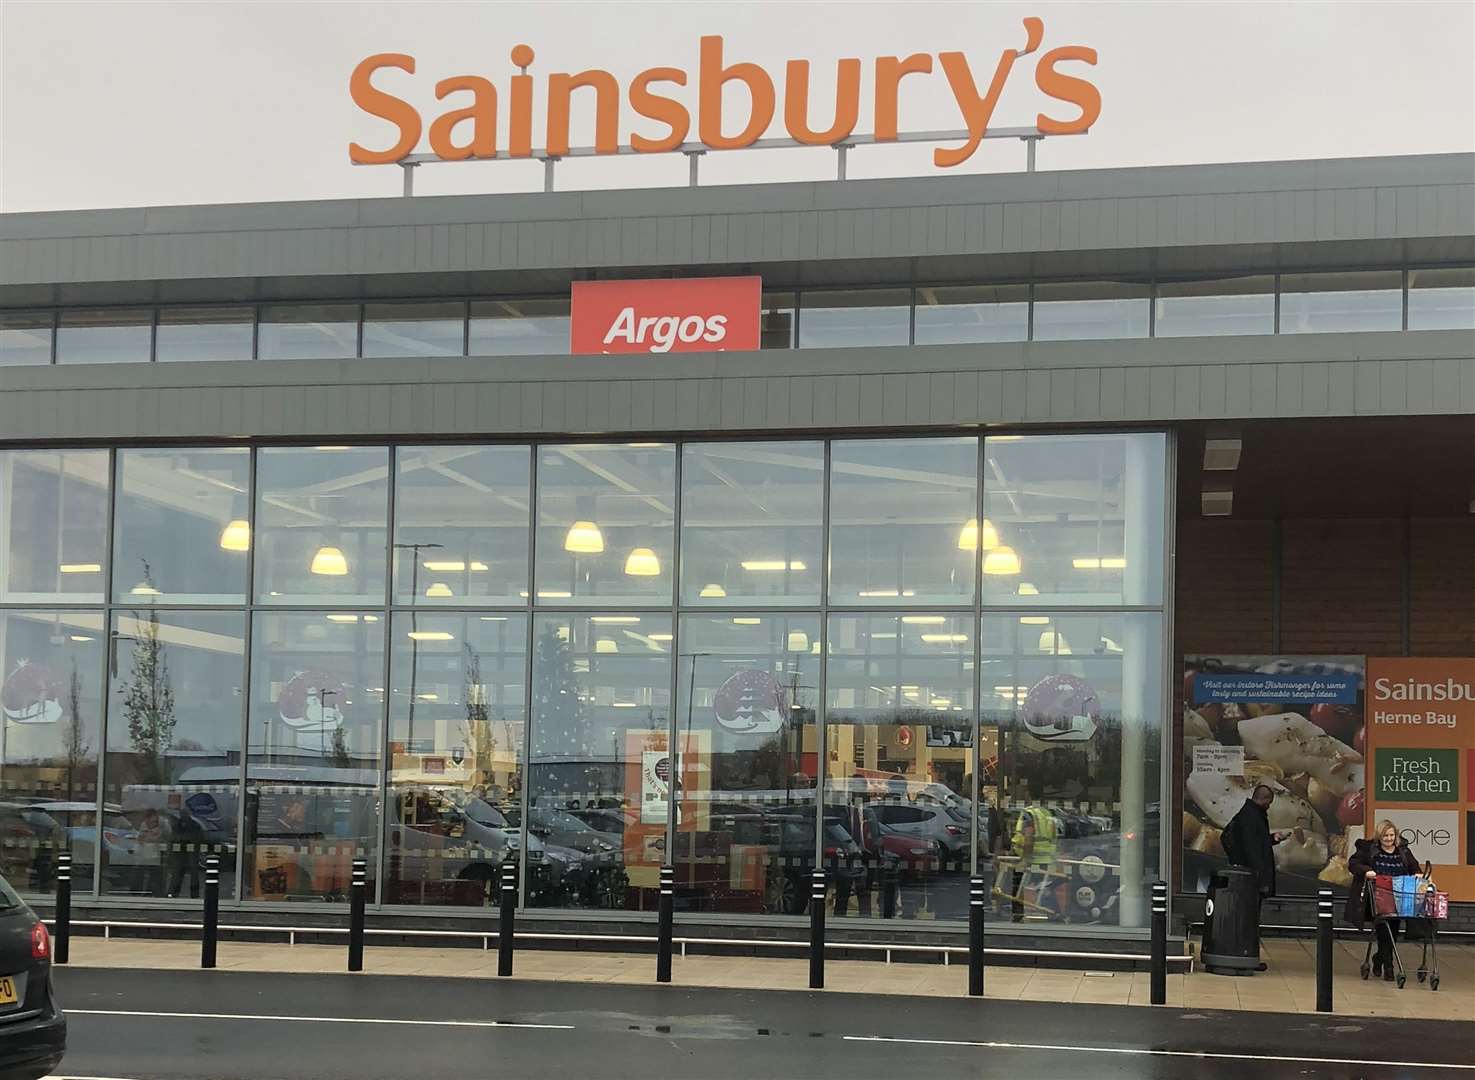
(1342, 587)
(1442, 587)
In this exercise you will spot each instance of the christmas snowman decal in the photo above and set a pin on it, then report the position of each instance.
(31, 694)
(750, 702)
(1061, 708)
(311, 705)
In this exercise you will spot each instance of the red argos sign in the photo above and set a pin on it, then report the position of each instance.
(663, 315)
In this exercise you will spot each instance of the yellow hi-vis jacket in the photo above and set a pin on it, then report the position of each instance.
(1044, 850)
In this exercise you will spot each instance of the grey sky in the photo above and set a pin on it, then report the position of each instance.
(124, 104)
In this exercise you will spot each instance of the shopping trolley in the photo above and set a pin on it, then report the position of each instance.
(1422, 907)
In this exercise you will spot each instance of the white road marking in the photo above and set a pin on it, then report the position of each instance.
(318, 1019)
(1147, 1052)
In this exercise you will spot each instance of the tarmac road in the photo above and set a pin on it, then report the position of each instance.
(226, 1025)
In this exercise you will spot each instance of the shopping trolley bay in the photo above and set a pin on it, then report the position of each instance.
(171, 1025)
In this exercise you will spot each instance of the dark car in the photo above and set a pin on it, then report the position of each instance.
(33, 1030)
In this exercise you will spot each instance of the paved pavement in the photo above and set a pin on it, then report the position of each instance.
(238, 1025)
(1288, 986)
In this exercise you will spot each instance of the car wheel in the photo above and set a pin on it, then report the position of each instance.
(781, 895)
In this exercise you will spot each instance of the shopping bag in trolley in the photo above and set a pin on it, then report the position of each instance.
(1434, 904)
(1407, 889)
(1383, 902)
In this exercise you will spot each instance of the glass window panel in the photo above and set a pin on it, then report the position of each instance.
(1074, 705)
(312, 781)
(415, 329)
(1328, 303)
(750, 522)
(204, 333)
(606, 522)
(461, 524)
(457, 705)
(308, 332)
(777, 327)
(51, 712)
(903, 519)
(864, 317)
(25, 338)
(172, 795)
(1091, 310)
(601, 716)
(104, 336)
(520, 327)
(321, 516)
(981, 313)
(53, 525)
(181, 526)
(1215, 308)
(1073, 519)
(1441, 299)
(899, 710)
(747, 688)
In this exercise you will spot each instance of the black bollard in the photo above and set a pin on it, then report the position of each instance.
(1159, 943)
(1324, 950)
(975, 937)
(61, 947)
(211, 927)
(359, 886)
(505, 928)
(817, 931)
(666, 916)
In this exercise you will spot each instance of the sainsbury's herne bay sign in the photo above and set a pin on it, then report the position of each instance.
(656, 113)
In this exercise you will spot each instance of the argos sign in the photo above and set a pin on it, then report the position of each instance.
(662, 315)
(471, 126)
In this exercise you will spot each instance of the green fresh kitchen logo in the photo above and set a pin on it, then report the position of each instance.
(1417, 774)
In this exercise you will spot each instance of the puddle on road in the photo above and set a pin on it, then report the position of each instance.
(711, 1026)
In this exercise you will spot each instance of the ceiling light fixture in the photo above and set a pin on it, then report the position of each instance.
(772, 564)
(431, 635)
(642, 562)
(80, 568)
(712, 589)
(583, 538)
(439, 590)
(329, 562)
(1002, 561)
(968, 537)
(1108, 563)
(236, 536)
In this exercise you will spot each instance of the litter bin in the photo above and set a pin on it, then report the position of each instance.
(1231, 944)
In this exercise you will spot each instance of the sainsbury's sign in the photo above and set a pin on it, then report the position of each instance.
(664, 315)
(470, 130)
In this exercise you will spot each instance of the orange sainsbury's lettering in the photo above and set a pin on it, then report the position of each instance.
(675, 117)
(377, 103)
(1067, 88)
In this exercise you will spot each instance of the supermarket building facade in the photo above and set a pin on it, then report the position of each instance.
(317, 541)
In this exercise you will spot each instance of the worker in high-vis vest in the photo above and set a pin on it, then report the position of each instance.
(1034, 837)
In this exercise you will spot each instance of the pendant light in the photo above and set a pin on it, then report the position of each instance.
(642, 562)
(968, 536)
(1002, 561)
(329, 562)
(583, 536)
(712, 589)
(236, 536)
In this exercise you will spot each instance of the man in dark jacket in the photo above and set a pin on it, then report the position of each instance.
(1249, 842)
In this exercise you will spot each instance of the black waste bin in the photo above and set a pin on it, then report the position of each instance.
(1231, 943)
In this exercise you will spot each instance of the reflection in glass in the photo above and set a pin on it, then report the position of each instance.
(1075, 519)
(1328, 303)
(181, 529)
(1090, 310)
(322, 516)
(902, 512)
(104, 336)
(777, 326)
(25, 338)
(204, 333)
(519, 327)
(899, 709)
(431, 328)
(606, 515)
(308, 332)
(1441, 299)
(601, 715)
(312, 781)
(1077, 702)
(750, 522)
(53, 525)
(748, 751)
(1215, 307)
(981, 313)
(173, 770)
(50, 722)
(831, 319)
(456, 730)
(461, 524)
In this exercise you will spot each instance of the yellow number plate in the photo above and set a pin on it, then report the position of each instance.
(7, 992)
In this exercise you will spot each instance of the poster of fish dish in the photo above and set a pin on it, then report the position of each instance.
(1293, 723)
